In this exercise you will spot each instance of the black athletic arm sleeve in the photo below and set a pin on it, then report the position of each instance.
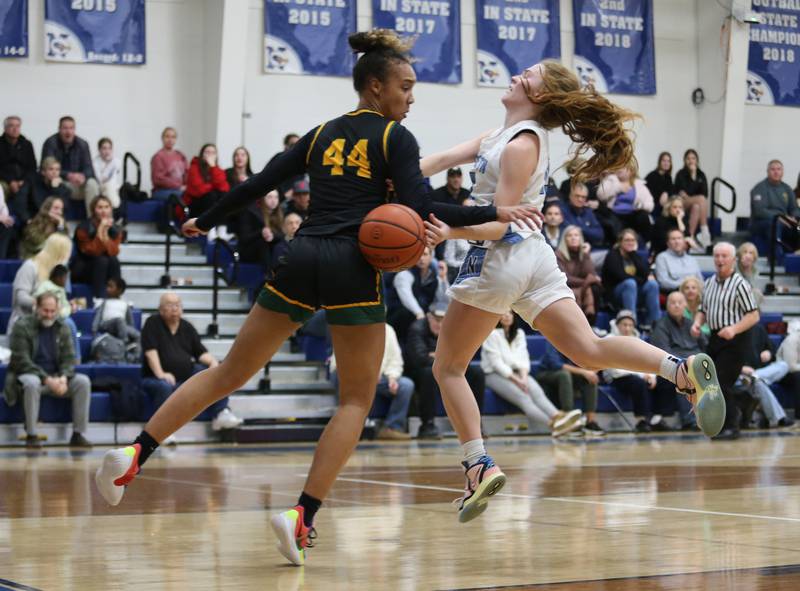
(285, 166)
(412, 190)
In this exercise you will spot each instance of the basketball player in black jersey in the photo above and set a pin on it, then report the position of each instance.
(349, 161)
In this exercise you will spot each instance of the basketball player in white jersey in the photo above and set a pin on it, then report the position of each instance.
(513, 267)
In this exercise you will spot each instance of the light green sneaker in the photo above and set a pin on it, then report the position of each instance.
(709, 403)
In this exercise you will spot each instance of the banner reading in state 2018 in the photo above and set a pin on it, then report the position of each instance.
(773, 67)
(514, 36)
(308, 36)
(95, 31)
(13, 28)
(436, 24)
(614, 45)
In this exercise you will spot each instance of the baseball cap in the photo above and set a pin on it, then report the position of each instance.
(454, 171)
(438, 309)
(622, 314)
(301, 186)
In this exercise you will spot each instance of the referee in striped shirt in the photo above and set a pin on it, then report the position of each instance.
(730, 310)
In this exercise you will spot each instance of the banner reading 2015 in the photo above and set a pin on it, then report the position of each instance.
(95, 31)
(308, 36)
(614, 45)
(436, 24)
(773, 68)
(514, 36)
(13, 28)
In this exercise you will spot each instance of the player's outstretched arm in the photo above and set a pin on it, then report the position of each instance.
(463, 153)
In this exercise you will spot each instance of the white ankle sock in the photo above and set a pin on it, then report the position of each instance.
(669, 368)
(473, 450)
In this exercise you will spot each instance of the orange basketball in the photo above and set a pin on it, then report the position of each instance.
(392, 237)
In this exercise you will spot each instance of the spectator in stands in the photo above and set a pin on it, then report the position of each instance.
(506, 362)
(553, 224)
(49, 220)
(416, 289)
(56, 251)
(173, 352)
(559, 376)
(659, 183)
(629, 199)
(392, 385)
(797, 191)
(636, 385)
(17, 168)
(108, 169)
(789, 353)
(747, 266)
(57, 284)
(769, 198)
(43, 362)
(452, 191)
(97, 240)
(692, 187)
(206, 182)
(423, 335)
(114, 315)
(168, 167)
(300, 199)
(672, 217)
(76, 162)
(291, 223)
(285, 187)
(240, 171)
(672, 333)
(8, 232)
(455, 251)
(259, 227)
(49, 184)
(578, 213)
(731, 311)
(627, 278)
(577, 265)
(674, 265)
(761, 370)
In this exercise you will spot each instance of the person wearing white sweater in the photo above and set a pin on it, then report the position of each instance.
(506, 362)
(394, 385)
(108, 169)
(789, 352)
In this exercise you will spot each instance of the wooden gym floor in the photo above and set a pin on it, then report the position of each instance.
(627, 513)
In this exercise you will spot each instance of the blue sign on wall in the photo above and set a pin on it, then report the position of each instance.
(773, 68)
(13, 28)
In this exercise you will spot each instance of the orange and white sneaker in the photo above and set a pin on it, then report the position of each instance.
(293, 535)
(484, 479)
(119, 467)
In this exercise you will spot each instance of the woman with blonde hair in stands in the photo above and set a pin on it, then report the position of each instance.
(56, 251)
(577, 265)
(692, 289)
(747, 265)
(49, 220)
(628, 197)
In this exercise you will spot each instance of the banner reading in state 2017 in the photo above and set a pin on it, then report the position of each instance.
(13, 28)
(614, 45)
(95, 31)
(436, 24)
(514, 36)
(773, 68)
(308, 36)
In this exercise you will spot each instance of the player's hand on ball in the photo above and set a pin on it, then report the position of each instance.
(524, 214)
(436, 231)
(190, 229)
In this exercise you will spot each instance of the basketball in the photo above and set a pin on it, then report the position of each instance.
(392, 237)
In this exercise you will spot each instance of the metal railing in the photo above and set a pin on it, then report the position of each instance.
(774, 242)
(221, 273)
(714, 203)
(129, 156)
(173, 227)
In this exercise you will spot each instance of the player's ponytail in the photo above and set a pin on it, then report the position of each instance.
(589, 119)
(380, 49)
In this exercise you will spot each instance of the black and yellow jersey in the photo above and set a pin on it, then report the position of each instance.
(348, 161)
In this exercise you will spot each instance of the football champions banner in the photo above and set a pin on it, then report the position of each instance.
(514, 36)
(95, 31)
(436, 24)
(308, 36)
(614, 45)
(13, 28)
(773, 68)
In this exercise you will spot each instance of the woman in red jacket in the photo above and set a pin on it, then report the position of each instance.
(206, 182)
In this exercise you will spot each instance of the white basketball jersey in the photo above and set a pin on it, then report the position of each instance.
(487, 169)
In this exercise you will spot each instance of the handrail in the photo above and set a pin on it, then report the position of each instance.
(130, 156)
(714, 204)
(789, 222)
(213, 328)
(172, 227)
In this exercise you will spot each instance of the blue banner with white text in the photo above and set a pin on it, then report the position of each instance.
(308, 37)
(95, 31)
(514, 36)
(773, 67)
(614, 45)
(13, 28)
(436, 25)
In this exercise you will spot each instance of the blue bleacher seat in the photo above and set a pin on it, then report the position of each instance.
(791, 262)
(707, 274)
(146, 211)
(82, 290)
(83, 320)
(603, 321)
(536, 345)
(8, 269)
(6, 292)
(767, 317)
(715, 226)
(225, 257)
(5, 314)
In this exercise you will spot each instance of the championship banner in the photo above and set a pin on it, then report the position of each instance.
(95, 31)
(773, 67)
(13, 28)
(614, 45)
(308, 36)
(514, 36)
(436, 24)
